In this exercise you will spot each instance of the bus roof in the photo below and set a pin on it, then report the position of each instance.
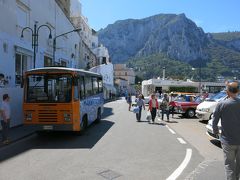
(60, 69)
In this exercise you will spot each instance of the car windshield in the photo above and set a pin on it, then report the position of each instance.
(218, 96)
(49, 88)
(199, 99)
(184, 98)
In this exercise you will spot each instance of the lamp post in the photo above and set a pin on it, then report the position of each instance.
(35, 38)
(54, 40)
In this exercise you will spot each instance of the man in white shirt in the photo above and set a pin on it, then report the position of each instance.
(5, 118)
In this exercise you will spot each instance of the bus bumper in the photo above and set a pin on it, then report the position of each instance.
(51, 127)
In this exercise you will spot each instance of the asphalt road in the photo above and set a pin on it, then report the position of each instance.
(117, 148)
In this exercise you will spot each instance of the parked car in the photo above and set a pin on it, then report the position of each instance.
(205, 109)
(210, 130)
(146, 99)
(188, 108)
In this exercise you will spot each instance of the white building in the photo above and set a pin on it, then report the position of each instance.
(163, 85)
(102, 55)
(16, 53)
(121, 71)
(106, 70)
(122, 86)
(89, 36)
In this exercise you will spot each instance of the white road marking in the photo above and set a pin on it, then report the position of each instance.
(172, 131)
(181, 141)
(182, 166)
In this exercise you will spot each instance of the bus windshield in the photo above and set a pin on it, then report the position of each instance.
(49, 88)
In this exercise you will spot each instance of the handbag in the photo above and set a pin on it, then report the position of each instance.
(149, 116)
(136, 109)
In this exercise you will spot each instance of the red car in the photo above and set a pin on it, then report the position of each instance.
(186, 105)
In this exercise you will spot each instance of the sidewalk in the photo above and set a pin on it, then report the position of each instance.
(17, 133)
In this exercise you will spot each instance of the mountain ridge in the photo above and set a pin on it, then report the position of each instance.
(174, 35)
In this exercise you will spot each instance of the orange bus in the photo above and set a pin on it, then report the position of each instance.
(62, 99)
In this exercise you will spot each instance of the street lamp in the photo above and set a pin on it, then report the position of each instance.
(54, 40)
(35, 38)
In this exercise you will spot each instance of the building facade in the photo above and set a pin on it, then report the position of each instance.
(163, 85)
(122, 86)
(106, 70)
(122, 72)
(16, 52)
(102, 55)
(89, 39)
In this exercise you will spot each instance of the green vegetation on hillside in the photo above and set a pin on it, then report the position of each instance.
(227, 57)
(152, 66)
(226, 36)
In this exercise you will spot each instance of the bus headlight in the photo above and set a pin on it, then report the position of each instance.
(28, 116)
(67, 117)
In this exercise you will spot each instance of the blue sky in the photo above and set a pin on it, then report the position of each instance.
(211, 15)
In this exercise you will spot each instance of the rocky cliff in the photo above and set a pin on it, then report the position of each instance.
(174, 35)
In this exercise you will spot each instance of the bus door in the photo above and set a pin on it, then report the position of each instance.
(76, 105)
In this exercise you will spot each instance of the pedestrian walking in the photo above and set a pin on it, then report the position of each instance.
(229, 113)
(5, 118)
(164, 106)
(140, 104)
(129, 101)
(153, 106)
(171, 106)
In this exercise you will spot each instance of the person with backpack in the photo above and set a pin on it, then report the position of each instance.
(164, 106)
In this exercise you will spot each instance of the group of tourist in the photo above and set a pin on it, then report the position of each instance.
(154, 107)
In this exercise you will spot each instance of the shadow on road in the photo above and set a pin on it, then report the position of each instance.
(203, 122)
(171, 121)
(216, 143)
(60, 140)
(159, 124)
(107, 112)
(69, 140)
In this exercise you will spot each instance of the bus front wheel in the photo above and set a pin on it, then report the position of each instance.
(84, 123)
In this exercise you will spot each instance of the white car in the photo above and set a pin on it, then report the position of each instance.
(210, 130)
(147, 99)
(205, 109)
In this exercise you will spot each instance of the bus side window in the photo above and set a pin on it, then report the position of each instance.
(100, 85)
(95, 85)
(76, 87)
(81, 85)
(88, 86)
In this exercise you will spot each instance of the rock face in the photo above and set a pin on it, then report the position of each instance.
(174, 35)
